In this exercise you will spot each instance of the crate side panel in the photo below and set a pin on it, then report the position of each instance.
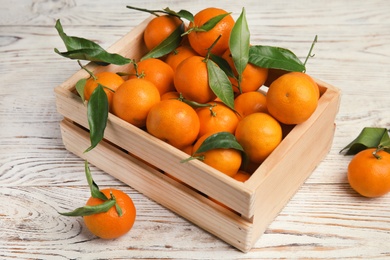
(188, 203)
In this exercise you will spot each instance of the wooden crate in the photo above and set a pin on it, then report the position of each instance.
(141, 161)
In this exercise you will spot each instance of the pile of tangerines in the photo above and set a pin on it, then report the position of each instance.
(170, 97)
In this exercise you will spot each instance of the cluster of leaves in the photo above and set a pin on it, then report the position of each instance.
(242, 53)
(95, 193)
(369, 137)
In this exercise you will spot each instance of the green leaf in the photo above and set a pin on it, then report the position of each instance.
(223, 64)
(275, 58)
(369, 137)
(97, 111)
(220, 84)
(80, 88)
(239, 44)
(167, 45)
(90, 210)
(181, 14)
(94, 188)
(210, 24)
(385, 142)
(224, 140)
(84, 49)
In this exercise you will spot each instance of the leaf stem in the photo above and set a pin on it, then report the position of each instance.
(87, 70)
(153, 12)
(309, 55)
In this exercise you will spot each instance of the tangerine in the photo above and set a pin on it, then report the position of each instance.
(192, 81)
(174, 122)
(110, 80)
(369, 175)
(159, 28)
(170, 95)
(259, 134)
(249, 103)
(252, 78)
(109, 225)
(227, 161)
(200, 41)
(156, 71)
(133, 100)
(181, 53)
(241, 176)
(292, 98)
(216, 118)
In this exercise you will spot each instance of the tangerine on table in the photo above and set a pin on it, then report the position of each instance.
(249, 103)
(110, 80)
(253, 77)
(192, 81)
(133, 100)
(109, 225)
(216, 118)
(368, 175)
(174, 122)
(259, 134)
(201, 41)
(159, 28)
(181, 53)
(292, 98)
(156, 71)
(227, 161)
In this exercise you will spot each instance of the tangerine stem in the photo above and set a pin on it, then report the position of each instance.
(211, 47)
(375, 153)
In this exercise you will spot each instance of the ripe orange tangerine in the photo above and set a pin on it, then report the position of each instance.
(369, 175)
(192, 81)
(200, 41)
(159, 28)
(174, 122)
(133, 100)
(110, 80)
(227, 161)
(109, 225)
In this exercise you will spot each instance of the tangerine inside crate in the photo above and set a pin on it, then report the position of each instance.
(140, 160)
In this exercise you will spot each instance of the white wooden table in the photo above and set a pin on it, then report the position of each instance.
(38, 177)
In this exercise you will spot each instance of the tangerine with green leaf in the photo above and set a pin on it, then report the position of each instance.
(201, 40)
(108, 213)
(252, 78)
(192, 80)
(109, 225)
(225, 160)
(109, 80)
(159, 28)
